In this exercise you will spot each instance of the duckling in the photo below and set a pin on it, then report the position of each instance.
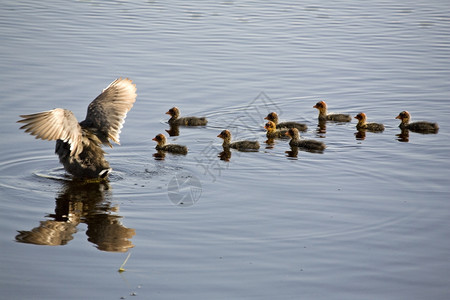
(175, 119)
(306, 144)
(421, 126)
(362, 124)
(273, 132)
(78, 145)
(273, 116)
(172, 148)
(323, 115)
(240, 145)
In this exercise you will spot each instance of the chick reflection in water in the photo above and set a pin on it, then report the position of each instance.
(225, 155)
(321, 129)
(81, 202)
(174, 130)
(293, 153)
(403, 136)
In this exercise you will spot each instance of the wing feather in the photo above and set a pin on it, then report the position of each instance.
(56, 124)
(108, 111)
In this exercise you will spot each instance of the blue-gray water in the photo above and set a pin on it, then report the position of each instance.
(367, 219)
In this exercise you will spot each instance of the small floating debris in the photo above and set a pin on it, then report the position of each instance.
(121, 269)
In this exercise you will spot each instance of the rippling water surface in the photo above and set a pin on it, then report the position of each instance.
(366, 219)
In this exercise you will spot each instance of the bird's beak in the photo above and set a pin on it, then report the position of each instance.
(265, 118)
(168, 113)
(154, 139)
(398, 117)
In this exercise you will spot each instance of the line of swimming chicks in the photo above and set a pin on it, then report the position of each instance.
(290, 130)
(79, 144)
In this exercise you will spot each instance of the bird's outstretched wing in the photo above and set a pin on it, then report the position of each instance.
(107, 113)
(56, 124)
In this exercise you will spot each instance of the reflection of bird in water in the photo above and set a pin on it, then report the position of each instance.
(321, 129)
(78, 145)
(293, 153)
(225, 155)
(403, 136)
(175, 119)
(273, 116)
(81, 202)
(159, 155)
(240, 145)
(360, 134)
(420, 126)
(174, 130)
(323, 114)
(311, 145)
(172, 148)
(363, 125)
(50, 232)
(273, 132)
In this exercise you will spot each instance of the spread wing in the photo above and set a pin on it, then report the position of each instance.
(108, 111)
(56, 124)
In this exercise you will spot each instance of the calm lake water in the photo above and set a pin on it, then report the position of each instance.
(367, 219)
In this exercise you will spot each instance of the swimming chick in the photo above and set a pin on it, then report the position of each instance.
(78, 145)
(323, 114)
(306, 144)
(363, 125)
(273, 116)
(273, 132)
(175, 119)
(240, 145)
(421, 126)
(172, 148)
